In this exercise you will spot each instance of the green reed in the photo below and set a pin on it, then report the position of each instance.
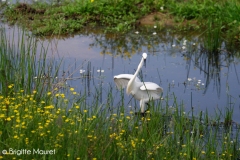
(23, 64)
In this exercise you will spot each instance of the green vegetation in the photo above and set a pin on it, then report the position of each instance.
(37, 113)
(67, 17)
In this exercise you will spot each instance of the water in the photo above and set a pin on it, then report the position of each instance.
(176, 62)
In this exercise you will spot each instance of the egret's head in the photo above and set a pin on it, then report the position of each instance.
(144, 55)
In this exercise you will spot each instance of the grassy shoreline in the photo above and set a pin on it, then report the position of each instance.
(68, 17)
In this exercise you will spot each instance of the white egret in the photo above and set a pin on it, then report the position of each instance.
(142, 91)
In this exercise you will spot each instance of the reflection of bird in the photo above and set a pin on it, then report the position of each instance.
(142, 91)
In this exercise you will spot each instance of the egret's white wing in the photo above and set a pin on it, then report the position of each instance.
(122, 80)
(151, 87)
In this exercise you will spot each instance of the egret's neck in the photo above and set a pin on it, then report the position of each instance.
(138, 69)
(132, 82)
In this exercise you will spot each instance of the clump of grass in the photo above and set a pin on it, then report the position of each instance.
(213, 41)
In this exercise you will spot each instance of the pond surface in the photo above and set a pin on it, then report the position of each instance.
(179, 63)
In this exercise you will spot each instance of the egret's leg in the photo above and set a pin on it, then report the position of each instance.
(148, 106)
(142, 105)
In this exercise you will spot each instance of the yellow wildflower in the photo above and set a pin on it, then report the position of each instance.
(10, 86)
(133, 144)
(62, 95)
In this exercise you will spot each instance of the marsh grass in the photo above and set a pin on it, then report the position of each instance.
(21, 67)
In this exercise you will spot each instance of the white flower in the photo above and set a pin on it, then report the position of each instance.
(154, 33)
(194, 44)
(81, 71)
(173, 45)
(136, 32)
(154, 26)
(185, 42)
(183, 47)
(100, 70)
(162, 8)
